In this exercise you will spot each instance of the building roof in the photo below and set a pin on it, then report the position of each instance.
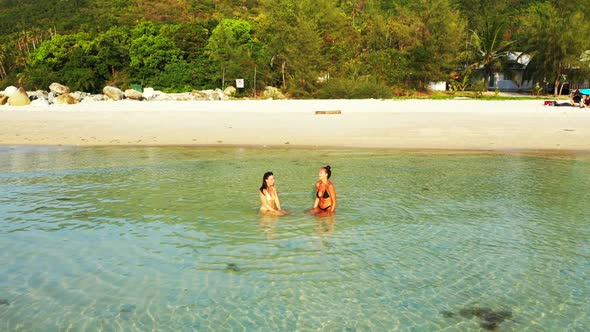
(519, 57)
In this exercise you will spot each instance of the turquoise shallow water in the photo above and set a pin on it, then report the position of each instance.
(169, 239)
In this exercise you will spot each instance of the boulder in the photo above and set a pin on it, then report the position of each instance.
(133, 94)
(3, 100)
(66, 99)
(221, 95)
(51, 97)
(9, 91)
(96, 98)
(113, 93)
(39, 94)
(149, 93)
(161, 96)
(200, 95)
(59, 89)
(182, 97)
(272, 92)
(208, 95)
(92, 98)
(230, 91)
(20, 98)
(79, 95)
(40, 103)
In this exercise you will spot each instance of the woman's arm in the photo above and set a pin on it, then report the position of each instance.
(332, 192)
(278, 201)
(316, 203)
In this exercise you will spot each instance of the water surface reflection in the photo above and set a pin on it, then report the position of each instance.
(170, 239)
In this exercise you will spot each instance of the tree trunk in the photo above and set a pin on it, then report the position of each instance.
(254, 81)
(2, 71)
(561, 88)
(26, 42)
(283, 73)
(486, 78)
(223, 79)
(557, 80)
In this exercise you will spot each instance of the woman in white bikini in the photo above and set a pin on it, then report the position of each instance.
(269, 197)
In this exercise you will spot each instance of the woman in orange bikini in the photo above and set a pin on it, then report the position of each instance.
(325, 196)
(269, 197)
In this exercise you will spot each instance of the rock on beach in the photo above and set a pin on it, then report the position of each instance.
(273, 93)
(40, 103)
(148, 93)
(59, 89)
(9, 91)
(230, 91)
(66, 99)
(38, 95)
(133, 94)
(60, 94)
(20, 98)
(113, 93)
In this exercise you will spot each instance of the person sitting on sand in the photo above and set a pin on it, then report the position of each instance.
(269, 197)
(576, 98)
(586, 102)
(325, 196)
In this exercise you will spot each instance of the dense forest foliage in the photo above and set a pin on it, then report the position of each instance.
(309, 48)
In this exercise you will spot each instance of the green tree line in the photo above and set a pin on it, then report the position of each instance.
(321, 48)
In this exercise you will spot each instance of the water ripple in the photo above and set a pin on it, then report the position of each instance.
(170, 239)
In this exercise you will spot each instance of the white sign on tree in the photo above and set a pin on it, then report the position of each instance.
(240, 83)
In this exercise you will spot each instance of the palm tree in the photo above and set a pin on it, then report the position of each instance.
(3, 73)
(489, 48)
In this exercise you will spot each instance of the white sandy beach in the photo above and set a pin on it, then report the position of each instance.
(396, 124)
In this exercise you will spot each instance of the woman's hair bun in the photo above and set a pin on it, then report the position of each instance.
(328, 170)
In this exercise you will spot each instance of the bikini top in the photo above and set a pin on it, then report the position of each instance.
(326, 194)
